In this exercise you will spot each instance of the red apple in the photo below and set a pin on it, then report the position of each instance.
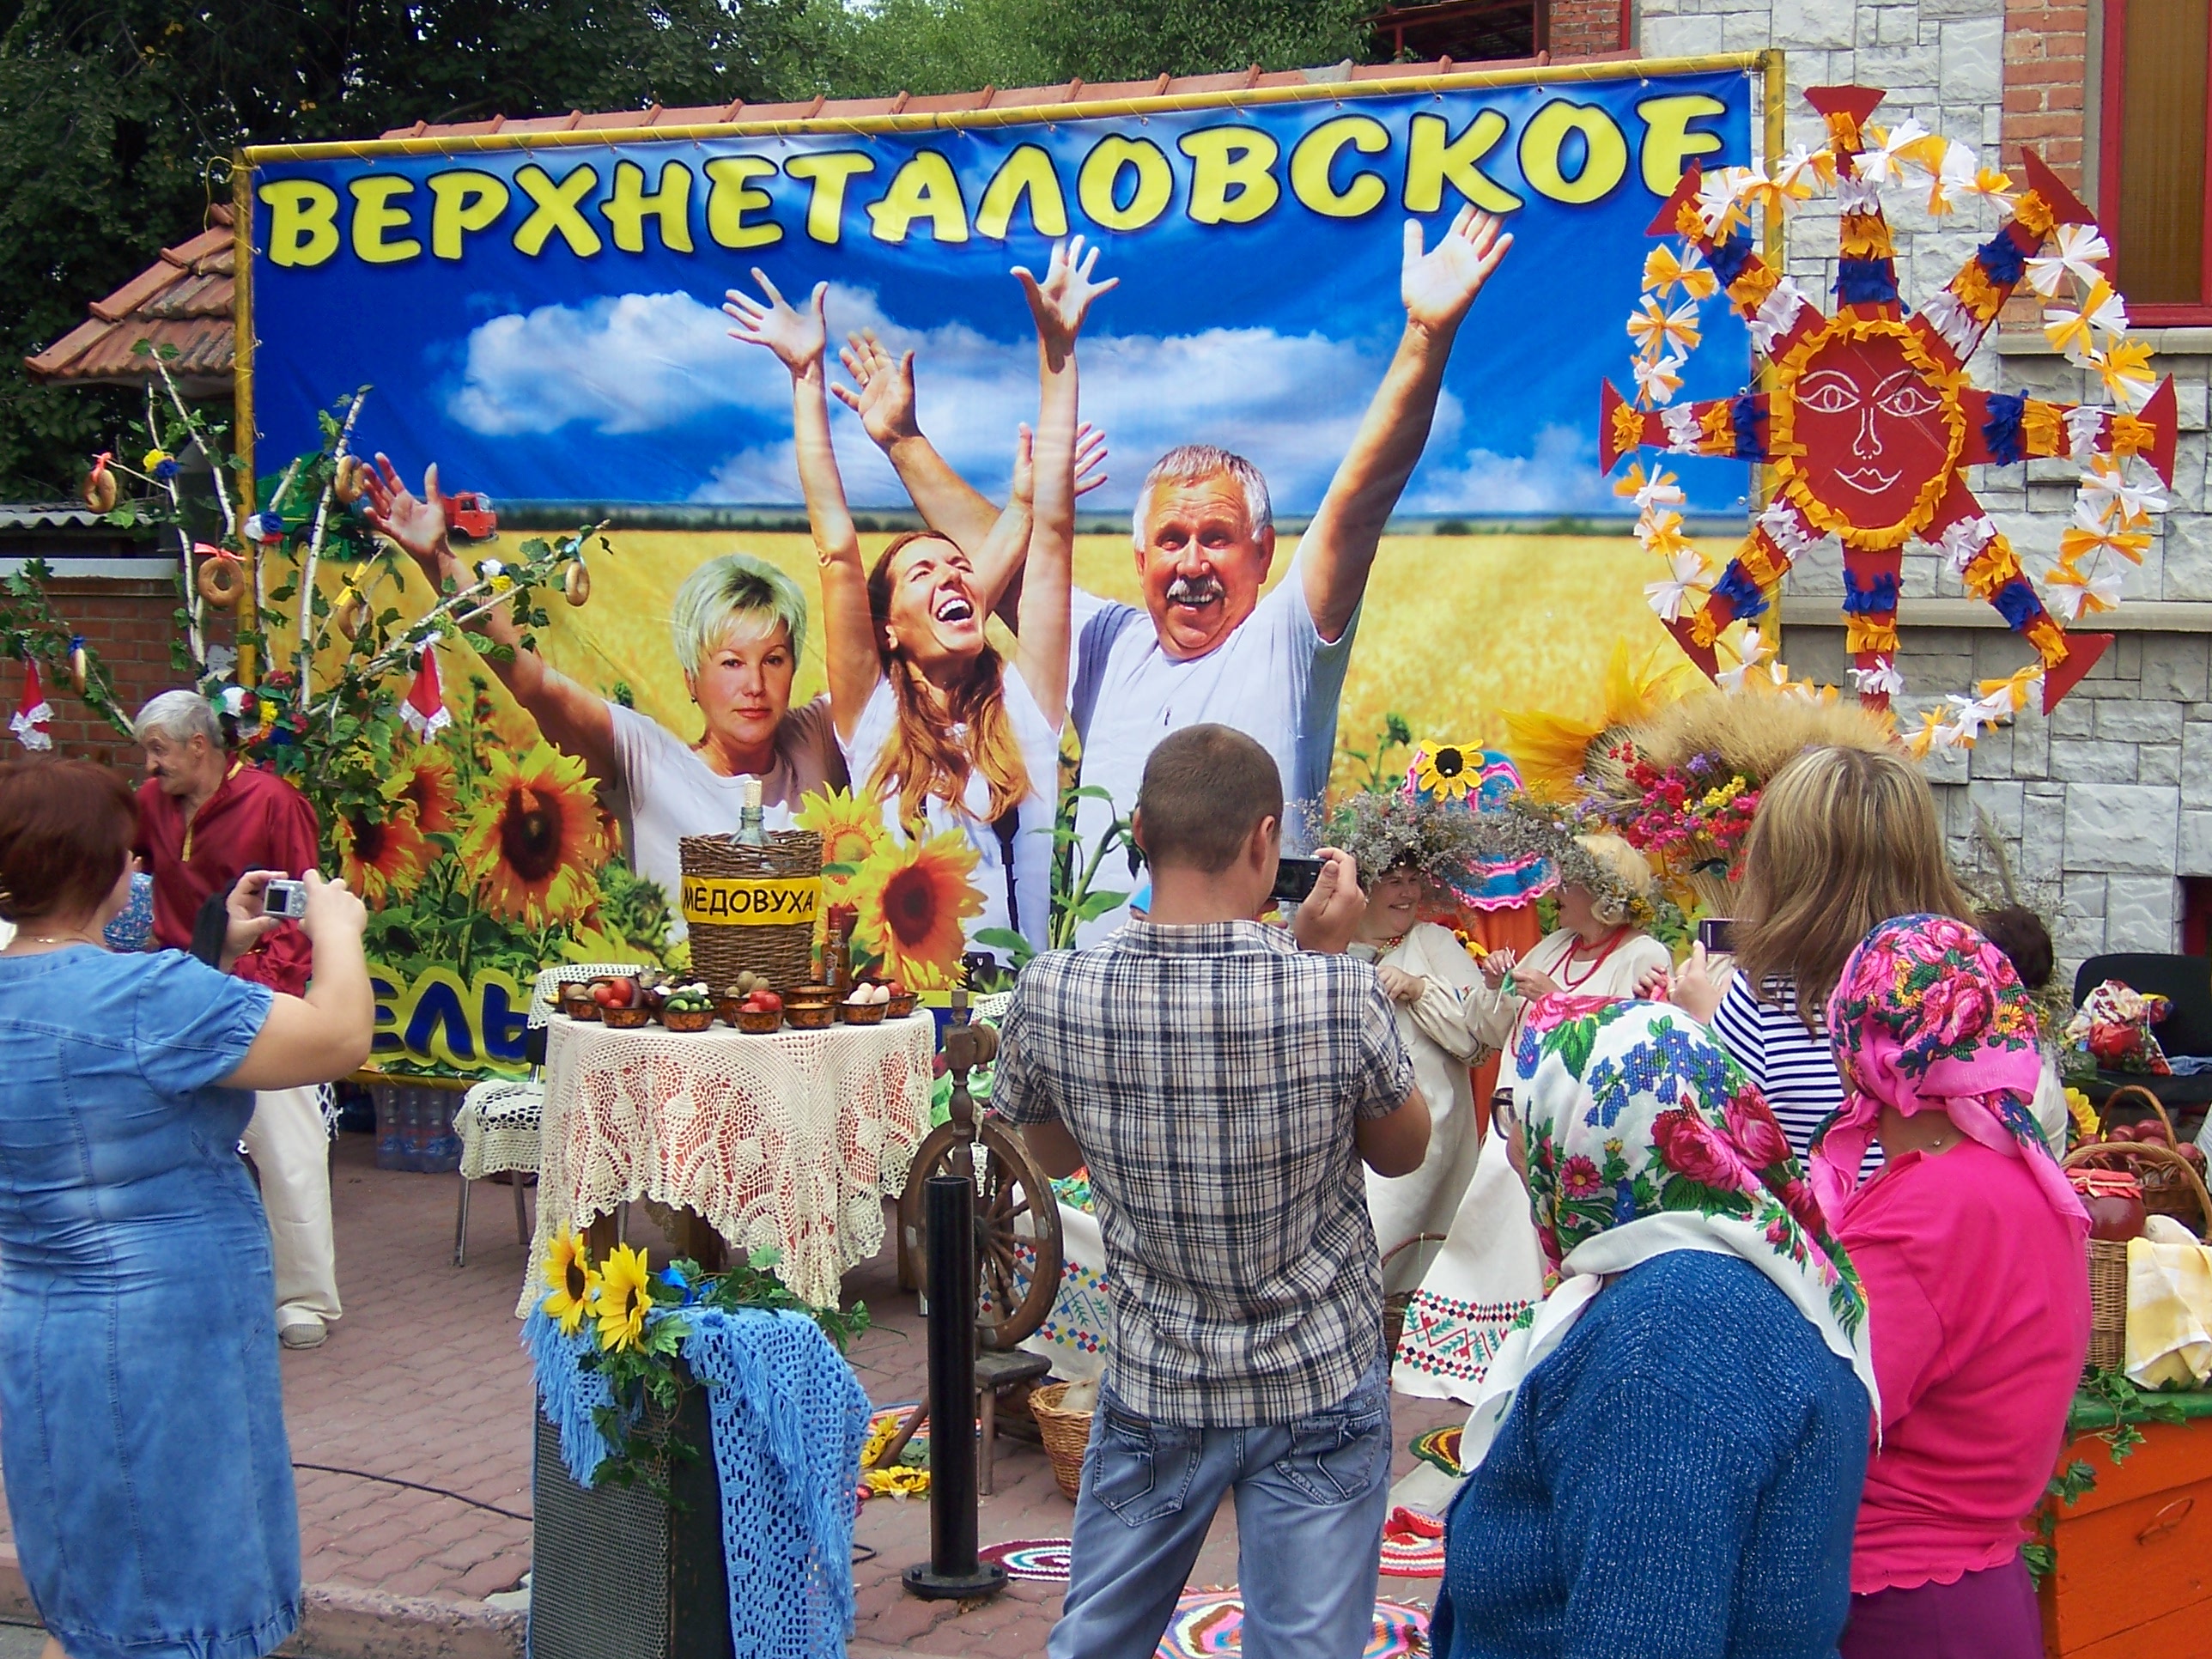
(769, 1002)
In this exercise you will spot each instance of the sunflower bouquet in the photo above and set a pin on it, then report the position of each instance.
(607, 1340)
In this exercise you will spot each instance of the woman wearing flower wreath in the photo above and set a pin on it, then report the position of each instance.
(1597, 950)
(1668, 1459)
(1970, 1241)
(1488, 1273)
(1405, 849)
(738, 626)
(142, 1419)
(941, 735)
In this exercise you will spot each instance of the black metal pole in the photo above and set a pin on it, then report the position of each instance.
(953, 1571)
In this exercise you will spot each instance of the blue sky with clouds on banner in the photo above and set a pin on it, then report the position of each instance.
(554, 371)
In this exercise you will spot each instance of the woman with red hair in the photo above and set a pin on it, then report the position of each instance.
(142, 1428)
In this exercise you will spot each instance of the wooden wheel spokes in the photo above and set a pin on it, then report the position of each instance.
(1015, 1212)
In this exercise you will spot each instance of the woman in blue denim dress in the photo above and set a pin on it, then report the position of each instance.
(142, 1425)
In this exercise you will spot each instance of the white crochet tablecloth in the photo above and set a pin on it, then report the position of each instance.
(788, 1142)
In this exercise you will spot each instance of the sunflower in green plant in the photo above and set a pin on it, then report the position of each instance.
(574, 1281)
(625, 1297)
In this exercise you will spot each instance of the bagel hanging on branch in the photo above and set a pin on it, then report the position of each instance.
(222, 579)
(348, 485)
(576, 586)
(352, 614)
(99, 490)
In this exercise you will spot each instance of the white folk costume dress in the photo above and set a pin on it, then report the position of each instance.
(1489, 1270)
(1436, 1032)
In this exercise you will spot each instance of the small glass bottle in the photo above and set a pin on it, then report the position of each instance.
(750, 832)
(837, 949)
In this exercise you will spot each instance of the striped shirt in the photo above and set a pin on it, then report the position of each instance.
(1793, 1067)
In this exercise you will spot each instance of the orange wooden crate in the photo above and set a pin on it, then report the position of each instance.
(2134, 1573)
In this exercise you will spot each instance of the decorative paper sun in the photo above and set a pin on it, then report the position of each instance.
(1867, 421)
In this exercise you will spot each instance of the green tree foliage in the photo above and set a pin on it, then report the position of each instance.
(117, 117)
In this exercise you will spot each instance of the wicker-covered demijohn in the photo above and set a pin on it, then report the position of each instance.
(752, 909)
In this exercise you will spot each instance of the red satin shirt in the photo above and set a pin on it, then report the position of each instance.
(253, 821)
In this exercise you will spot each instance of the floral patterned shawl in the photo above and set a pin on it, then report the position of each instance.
(1644, 1137)
(1929, 1016)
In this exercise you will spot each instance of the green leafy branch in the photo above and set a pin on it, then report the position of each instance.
(1076, 900)
(2130, 1407)
(35, 632)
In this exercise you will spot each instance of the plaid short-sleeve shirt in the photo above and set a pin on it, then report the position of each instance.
(1211, 1076)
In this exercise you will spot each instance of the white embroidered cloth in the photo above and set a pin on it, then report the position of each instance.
(788, 1142)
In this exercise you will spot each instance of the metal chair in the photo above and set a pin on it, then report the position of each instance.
(499, 1120)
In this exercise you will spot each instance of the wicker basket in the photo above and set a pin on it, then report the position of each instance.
(783, 879)
(1395, 1305)
(2165, 1191)
(2108, 1258)
(1065, 1434)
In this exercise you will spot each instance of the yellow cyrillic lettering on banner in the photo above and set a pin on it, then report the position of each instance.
(924, 188)
(374, 214)
(1314, 159)
(1232, 181)
(1027, 171)
(303, 222)
(557, 209)
(1098, 184)
(1434, 158)
(1604, 166)
(744, 901)
(629, 207)
(463, 201)
(732, 194)
(830, 174)
(1669, 143)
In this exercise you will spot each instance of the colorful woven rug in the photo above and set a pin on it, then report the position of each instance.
(1040, 1560)
(1439, 1447)
(1412, 1545)
(1209, 1622)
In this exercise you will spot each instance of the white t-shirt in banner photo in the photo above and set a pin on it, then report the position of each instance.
(673, 793)
(1039, 743)
(1273, 678)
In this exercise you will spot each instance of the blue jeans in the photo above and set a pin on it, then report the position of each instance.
(1310, 1499)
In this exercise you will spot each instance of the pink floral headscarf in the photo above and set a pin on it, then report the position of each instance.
(1929, 1016)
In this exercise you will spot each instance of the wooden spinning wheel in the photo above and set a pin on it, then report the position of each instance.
(1015, 1210)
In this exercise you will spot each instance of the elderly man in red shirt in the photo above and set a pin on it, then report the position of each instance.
(205, 817)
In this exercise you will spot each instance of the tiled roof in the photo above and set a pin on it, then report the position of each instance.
(182, 300)
(957, 103)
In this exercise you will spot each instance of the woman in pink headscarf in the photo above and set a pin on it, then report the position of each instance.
(1970, 1244)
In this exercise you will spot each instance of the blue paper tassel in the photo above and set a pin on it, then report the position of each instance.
(1865, 282)
(2001, 259)
(2016, 603)
(1878, 599)
(1737, 586)
(2001, 429)
(1729, 257)
(1749, 416)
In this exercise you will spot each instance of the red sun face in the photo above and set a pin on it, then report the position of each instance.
(1874, 430)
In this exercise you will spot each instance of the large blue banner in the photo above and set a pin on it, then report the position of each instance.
(543, 317)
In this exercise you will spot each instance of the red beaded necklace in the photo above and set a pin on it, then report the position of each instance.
(1567, 983)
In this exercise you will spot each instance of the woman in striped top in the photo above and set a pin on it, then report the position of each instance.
(1843, 840)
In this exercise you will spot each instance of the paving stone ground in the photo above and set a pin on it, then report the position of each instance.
(422, 1395)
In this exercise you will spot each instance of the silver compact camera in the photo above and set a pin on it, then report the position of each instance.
(284, 898)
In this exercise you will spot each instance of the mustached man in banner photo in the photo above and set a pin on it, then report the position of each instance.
(1259, 328)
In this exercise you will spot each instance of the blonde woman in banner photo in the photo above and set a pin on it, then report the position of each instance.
(738, 626)
(933, 726)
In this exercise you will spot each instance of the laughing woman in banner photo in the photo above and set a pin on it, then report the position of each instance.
(933, 725)
(739, 625)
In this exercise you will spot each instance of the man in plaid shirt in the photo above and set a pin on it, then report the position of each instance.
(1223, 1084)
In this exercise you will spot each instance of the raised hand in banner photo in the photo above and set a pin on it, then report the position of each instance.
(937, 731)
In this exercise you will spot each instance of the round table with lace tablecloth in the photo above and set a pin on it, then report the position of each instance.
(789, 1142)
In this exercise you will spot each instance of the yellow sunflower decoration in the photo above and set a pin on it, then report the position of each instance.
(536, 839)
(575, 1283)
(428, 784)
(851, 829)
(1447, 771)
(1553, 750)
(913, 900)
(625, 1296)
(379, 860)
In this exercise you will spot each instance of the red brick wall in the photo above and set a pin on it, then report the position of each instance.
(128, 624)
(1587, 28)
(2046, 52)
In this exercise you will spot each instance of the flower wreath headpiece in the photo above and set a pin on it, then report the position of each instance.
(1868, 423)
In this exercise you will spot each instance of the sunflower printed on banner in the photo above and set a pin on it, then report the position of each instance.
(913, 900)
(535, 838)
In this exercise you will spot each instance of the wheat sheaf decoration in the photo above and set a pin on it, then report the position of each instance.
(1867, 420)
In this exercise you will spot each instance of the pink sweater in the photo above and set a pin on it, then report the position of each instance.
(1979, 1297)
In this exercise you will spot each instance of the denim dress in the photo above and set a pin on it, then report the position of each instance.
(142, 1427)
